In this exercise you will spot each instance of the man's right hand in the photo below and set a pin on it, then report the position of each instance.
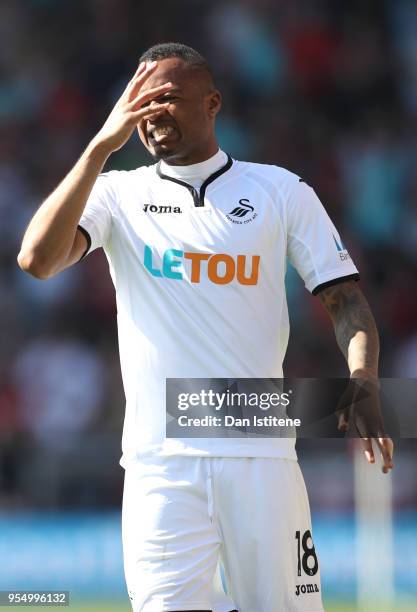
(51, 242)
(129, 110)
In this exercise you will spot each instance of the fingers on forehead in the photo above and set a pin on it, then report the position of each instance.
(149, 94)
(155, 90)
(140, 77)
(140, 69)
(143, 72)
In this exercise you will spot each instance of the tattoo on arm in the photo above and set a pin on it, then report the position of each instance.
(354, 325)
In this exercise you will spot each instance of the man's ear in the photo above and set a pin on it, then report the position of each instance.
(214, 102)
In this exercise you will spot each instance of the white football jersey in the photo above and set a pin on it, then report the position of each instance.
(199, 278)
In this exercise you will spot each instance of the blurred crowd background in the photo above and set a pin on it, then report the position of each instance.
(326, 89)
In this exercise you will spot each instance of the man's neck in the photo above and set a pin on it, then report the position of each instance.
(197, 173)
(197, 157)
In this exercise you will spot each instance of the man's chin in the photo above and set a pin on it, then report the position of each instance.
(165, 153)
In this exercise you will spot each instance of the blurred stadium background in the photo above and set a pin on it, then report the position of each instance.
(327, 89)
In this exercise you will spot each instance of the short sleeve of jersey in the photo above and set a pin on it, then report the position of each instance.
(314, 246)
(96, 220)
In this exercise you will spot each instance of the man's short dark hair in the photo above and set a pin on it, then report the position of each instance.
(172, 49)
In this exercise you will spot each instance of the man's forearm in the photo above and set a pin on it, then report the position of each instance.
(50, 235)
(354, 325)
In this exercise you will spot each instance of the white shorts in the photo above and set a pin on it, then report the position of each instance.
(182, 515)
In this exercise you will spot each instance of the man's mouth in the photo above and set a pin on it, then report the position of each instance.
(161, 133)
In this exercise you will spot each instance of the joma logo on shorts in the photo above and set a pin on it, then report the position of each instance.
(306, 588)
(219, 268)
(168, 208)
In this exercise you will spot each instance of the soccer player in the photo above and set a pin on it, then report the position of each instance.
(197, 246)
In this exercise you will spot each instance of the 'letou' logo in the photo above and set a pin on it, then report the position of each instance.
(219, 268)
(241, 212)
(341, 249)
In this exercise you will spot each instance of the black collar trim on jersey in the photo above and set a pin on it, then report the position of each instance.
(198, 196)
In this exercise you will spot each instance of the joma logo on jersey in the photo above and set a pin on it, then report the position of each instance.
(161, 208)
(219, 268)
(306, 588)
